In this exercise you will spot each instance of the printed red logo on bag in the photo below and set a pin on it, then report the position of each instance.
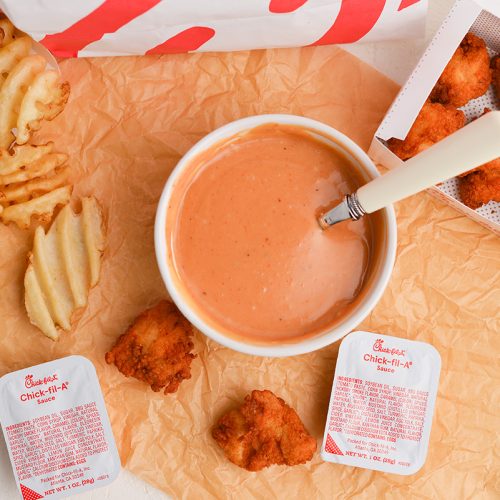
(29, 494)
(331, 446)
(379, 347)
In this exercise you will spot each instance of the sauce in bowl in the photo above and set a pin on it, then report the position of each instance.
(244, 241)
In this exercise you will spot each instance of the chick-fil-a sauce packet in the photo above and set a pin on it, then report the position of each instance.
(57, 429)
(382, 403)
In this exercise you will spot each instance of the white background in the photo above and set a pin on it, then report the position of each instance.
(396, 60)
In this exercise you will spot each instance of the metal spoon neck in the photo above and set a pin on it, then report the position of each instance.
(349, 208)
(356, 211)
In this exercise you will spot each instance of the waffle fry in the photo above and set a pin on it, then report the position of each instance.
(33, 182)
(35, 305)
(42, 207)
(43, 166)
(94, 240)
(12, 93)
(7, 31)
(64, 266)
(19, 157)
(11, 54)
(28, 92)
(24, 191)
(44, 100)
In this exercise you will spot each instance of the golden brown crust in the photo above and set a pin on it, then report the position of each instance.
(434, 122)
(466, 76)
(495, 68)
(262, 432)
(481, 186)
(156, 348)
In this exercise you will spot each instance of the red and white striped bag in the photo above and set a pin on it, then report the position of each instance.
(79, 28)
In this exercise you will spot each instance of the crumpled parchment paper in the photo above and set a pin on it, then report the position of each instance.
(128, 122)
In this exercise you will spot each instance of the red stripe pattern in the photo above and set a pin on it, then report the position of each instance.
(185, 41)
(285, 6)
(407, 3)
(356, 18)
(107, 18)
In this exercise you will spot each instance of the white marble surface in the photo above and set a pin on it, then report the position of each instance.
(396, 60)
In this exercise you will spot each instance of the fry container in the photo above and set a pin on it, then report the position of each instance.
(481, 17)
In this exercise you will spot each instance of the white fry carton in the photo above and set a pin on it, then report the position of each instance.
(382, 403)
(57, 429)
(481, 17)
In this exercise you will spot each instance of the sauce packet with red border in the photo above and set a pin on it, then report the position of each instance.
(382, 403)
(57, 429)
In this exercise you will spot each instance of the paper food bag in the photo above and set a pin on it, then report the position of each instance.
(83, 28)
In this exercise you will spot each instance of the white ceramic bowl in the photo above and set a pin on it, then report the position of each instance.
(378, 281)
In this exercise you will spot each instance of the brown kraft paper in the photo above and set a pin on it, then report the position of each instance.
(128, 121)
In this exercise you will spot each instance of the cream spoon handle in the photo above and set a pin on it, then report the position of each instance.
(469, 147)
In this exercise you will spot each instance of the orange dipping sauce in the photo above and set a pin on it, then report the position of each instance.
(245, 242)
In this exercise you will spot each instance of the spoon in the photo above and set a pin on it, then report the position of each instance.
(468, 148)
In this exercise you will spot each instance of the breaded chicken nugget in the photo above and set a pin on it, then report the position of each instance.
(495, 68)
(262, 432)
(433, 123)
(481, 186)
(156, 348)
(467, 75)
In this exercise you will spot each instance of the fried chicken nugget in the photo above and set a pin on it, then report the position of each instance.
(262, 432)
(495, 68)
(481, 184)
(156, 348)
(467, 75)
(481, 187)
(433, 123)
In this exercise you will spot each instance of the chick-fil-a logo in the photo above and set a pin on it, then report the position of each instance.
(30, 382)
(378, 347)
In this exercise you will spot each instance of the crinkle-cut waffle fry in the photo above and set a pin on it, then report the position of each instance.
(19, 157)
(42, 166)
(11, 54)
(94, 240)
(12, 93)
(29, 93)
(64, 266)
(24, 191)
(42, 207)
(44, 100)
(30, 175)
(7, 32)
